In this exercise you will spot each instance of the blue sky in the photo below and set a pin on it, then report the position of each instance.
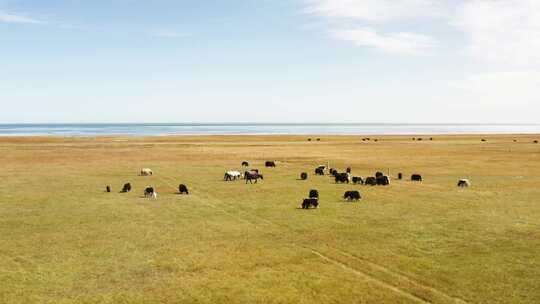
(270, 61)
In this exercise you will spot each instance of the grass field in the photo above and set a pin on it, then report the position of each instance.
(64, 240)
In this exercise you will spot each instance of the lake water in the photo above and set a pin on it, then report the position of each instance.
(254, 129)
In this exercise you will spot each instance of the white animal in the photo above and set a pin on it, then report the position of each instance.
(233, 175)
(146, 172)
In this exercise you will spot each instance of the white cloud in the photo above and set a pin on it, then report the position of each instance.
(374, 10)
(402, 43)
(16, 18)
(503, 32)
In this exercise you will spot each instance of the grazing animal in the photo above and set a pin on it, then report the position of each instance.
(352, 195)
(313, 193)
(182, 189)
(536, 141)
(309, 139)
(419, 139)
(303, 176)
(343, 178)
(371, 181)
(431, 138)
(108, 189)
(348, 170)
(310, 202)
(464, 183)
(383, 180)
(375, 140)
(413, 138)
(333, 171)
(249, 176)
(318, 139)
(150, 192)
(357, 180)
(245, 164)
(146, 172)
(126, 188)
(416, 178)
(484, 140)
(379, 174)
(270, 164)
(400, 176)
(319, 171)
(232, 175)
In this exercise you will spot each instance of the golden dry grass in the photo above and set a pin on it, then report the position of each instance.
(64, 240)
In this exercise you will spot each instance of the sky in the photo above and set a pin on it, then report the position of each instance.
(351, 61)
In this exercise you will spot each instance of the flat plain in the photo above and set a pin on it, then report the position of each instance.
(63, 239)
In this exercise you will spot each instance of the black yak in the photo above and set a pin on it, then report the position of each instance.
(352, 195)
(182, 189)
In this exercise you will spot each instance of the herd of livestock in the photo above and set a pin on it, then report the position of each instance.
(312, 201)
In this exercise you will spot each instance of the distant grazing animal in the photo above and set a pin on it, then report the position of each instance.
(313, 193)
(310, 202)
(318, 139)
(383, 181)
(348, 170)
(464, 183)
(182, 189)
(379, 174)
(536, 141)
(303, 176)
(309, 139)
(484, 140)
(357, 180)
(333, 171)
(232, 175)
(146, 172)
(375, 140)
(245, 164)
(150, 192)
(126, 188)
(515, 140)
(419, 139)
(352, 195)
(431, 138)
(270, 164)
(400, 175)
(371, 181)
(249, 176)
(108, 189)
(343, 178)
(416, 178)
(413, 138)
(319, 171)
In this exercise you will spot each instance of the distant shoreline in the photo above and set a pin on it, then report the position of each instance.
(260, 129)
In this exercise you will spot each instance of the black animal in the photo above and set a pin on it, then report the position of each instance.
(182, 189)
(431, 138)
(126, 188)
(148, 191)
(108, 189)
(383, 181)
(379, 174)
(310, 202)
(536, 141)
(249, 176)
(333, 171)
(375, 140)
(484, 140)
(271, 164)
(245, 164)
(357, 180)
(352, 195)
(309, 139)
(313, 193)
(413, 138)
(342, 178)
(303, 176)
(348, 170)
(319, 171)
(318, 139)
(400, 176)
(371, 181)
(416, 178)
(419, 139)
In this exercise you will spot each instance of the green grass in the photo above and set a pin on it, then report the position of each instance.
(64, 240)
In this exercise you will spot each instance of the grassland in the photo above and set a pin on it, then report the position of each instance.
(64, 240)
